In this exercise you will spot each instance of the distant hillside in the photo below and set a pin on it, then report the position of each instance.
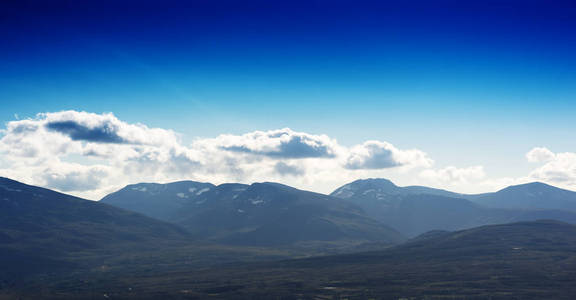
(534, 195)
(161, 201)
(380, 187)
(414, 210)
(264, 214)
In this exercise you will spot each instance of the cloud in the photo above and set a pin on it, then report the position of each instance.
(75, 178)
(453, 175)
(540, 154)
(88, 153)
(558, 169)
(279, 144)
(72, 132)
(106, 133)
(92, 154)
(286, 169)
(104, 128)
(383, 155)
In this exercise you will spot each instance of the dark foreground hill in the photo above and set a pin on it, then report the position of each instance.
(529, 260)
(46, 234)
(261, 214)
(39, 227)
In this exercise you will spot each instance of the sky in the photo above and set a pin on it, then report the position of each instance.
(469, 96)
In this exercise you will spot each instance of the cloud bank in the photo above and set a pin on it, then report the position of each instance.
(279, 144)
(382, 155)
(91, 154)
(557, 168)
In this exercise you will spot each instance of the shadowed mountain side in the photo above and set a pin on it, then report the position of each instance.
(528, 260)
(380, 187)
(535, 195)
(39, 226)
(264, 214)
(274, 214)
(160, 201)
(413, 213)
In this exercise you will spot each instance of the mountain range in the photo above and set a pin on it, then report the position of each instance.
(414, 210)
(257, 214)
(271, 213)
(157, 237)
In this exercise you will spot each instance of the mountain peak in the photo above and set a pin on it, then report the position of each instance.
(368, 185)
(531, 187)
(274, 184)
(375, 182)
(533, 195)
(10, 182)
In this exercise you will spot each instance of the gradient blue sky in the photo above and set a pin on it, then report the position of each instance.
(468, 82)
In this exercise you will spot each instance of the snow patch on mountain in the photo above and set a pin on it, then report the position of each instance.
(368, 191)
(345, 192)
(9, 189)
(200, 192)
(142, 189)
(256, 201)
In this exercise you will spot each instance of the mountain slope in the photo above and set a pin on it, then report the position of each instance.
(38, 226)
(528, 260)
(534, 195)
(414, 210)
(380, 187)
(411, 210)
(161, 201)
(270, 214)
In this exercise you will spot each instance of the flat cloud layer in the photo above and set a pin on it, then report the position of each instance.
(90, 155)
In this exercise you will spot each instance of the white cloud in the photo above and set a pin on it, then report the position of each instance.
(279, 144)
(283, 168)
(104, 128)
(383, 155)
(73, 177)
(540, 154)
(112, 152)
(558, 169)
(453, 175)
(90, 154)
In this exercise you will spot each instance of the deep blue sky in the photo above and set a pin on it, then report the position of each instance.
(470, 82)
